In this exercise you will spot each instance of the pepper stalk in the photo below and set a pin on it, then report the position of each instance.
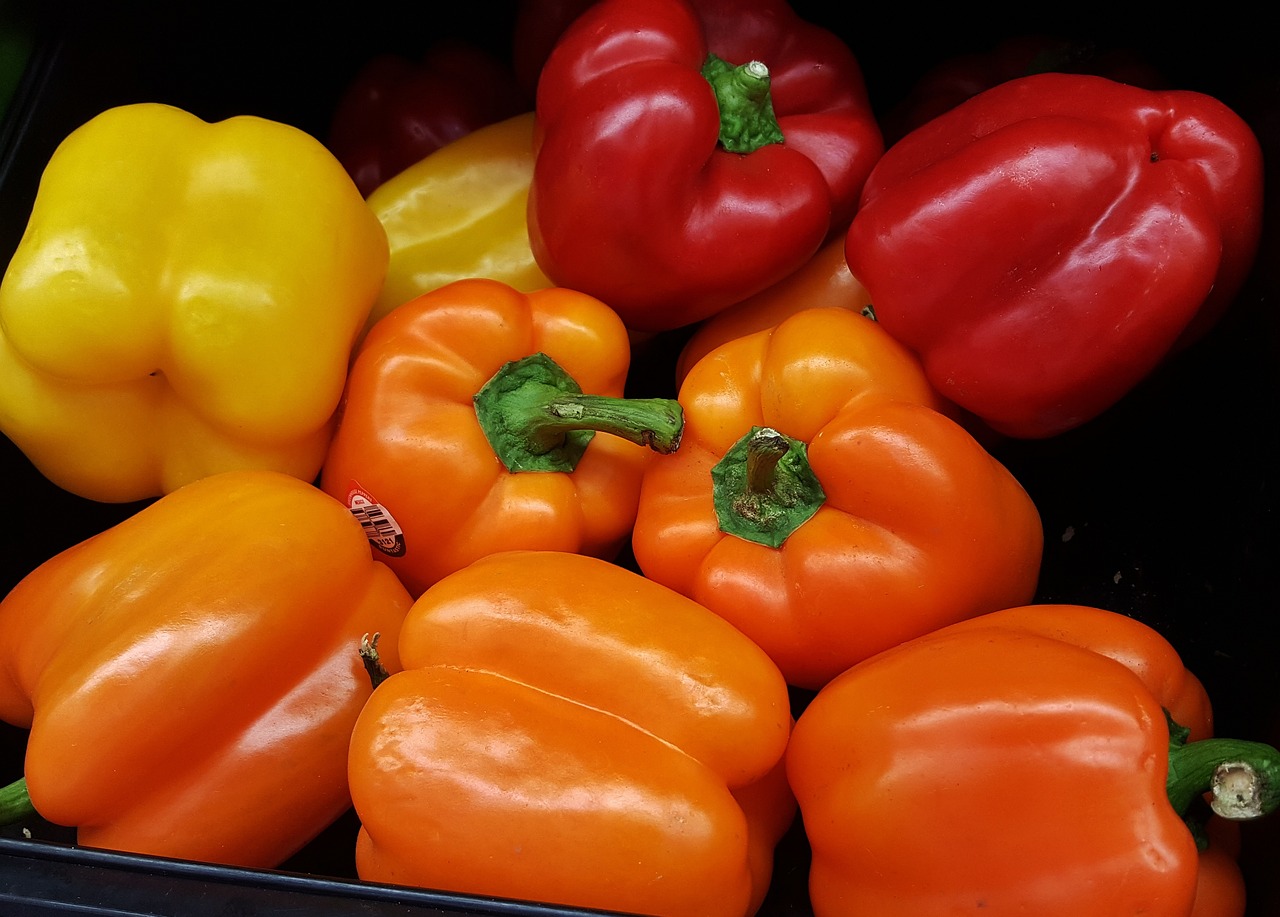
(1241, 778)
(536, 417)
(764, 489)
(747, 119)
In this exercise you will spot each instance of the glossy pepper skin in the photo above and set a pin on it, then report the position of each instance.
(443, 473)
(395, 111)
(823, 281)
(913, 525)
(183, 301)
(190, 677)
(460, 213)
(1076, 232)
(641, 199)
(567, 731)
(1014, 763)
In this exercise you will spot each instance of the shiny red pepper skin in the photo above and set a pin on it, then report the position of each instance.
(635, 201)
(396, 111)
(1045, 245)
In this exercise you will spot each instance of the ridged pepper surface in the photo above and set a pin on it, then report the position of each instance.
(190, 677)
(1047, 244)
(824, 504)
(568, 732)
(184, 300)
(1047, 759)
(692, 152)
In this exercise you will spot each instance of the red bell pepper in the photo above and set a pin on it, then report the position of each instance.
(1045, 245)
(397, 111)
(693, 152)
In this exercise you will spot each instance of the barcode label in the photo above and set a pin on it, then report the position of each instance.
(380, 527)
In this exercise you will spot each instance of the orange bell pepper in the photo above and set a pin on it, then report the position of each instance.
(469, 426)
(567, 731)
(1051, 760)
(190, 676)
(825, 280)
(877, 518)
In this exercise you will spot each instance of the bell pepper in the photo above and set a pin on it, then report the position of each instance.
(470, 423)
(691, 153)
(460, 213)
(1049, 760)
(823, 503)
(183, 301)
(1048, 244)
(395, 111)
(825, 280)
(190, 677)
(566, 731)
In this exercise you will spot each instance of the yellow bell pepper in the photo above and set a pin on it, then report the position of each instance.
(184, 301)
(460, 213)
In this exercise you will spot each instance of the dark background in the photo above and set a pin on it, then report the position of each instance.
(1164, 508)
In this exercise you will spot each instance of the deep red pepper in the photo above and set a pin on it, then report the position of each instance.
(645, 193)
(397, 111)
(1045, 245)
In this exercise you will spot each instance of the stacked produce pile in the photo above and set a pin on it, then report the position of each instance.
(637, 463)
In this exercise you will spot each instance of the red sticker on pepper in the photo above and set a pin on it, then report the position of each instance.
(380, 527)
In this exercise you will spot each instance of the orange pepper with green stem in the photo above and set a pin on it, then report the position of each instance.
(824, 503)
(1048, 759)
(190, 676)
(478, 418)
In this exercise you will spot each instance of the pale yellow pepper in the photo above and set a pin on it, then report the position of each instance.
(184, 301)
(460, 213)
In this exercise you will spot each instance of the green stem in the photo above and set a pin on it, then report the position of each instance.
(536, 418)
(763, 489)
(1242, 777)
(373, 666)
(15, 802)
(747, 120)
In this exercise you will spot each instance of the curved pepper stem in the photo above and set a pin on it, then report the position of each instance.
(747, 121)
(15, 802)
(372, 660)
(1242, 778)
(764, 489)
(536, 418)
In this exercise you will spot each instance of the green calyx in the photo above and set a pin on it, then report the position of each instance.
(763, 489)
(1241, 778)
(537, 418)
(747, 121)
(15, 803)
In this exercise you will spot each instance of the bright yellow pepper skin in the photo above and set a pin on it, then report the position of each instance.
(460, 213)
(183, 301)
